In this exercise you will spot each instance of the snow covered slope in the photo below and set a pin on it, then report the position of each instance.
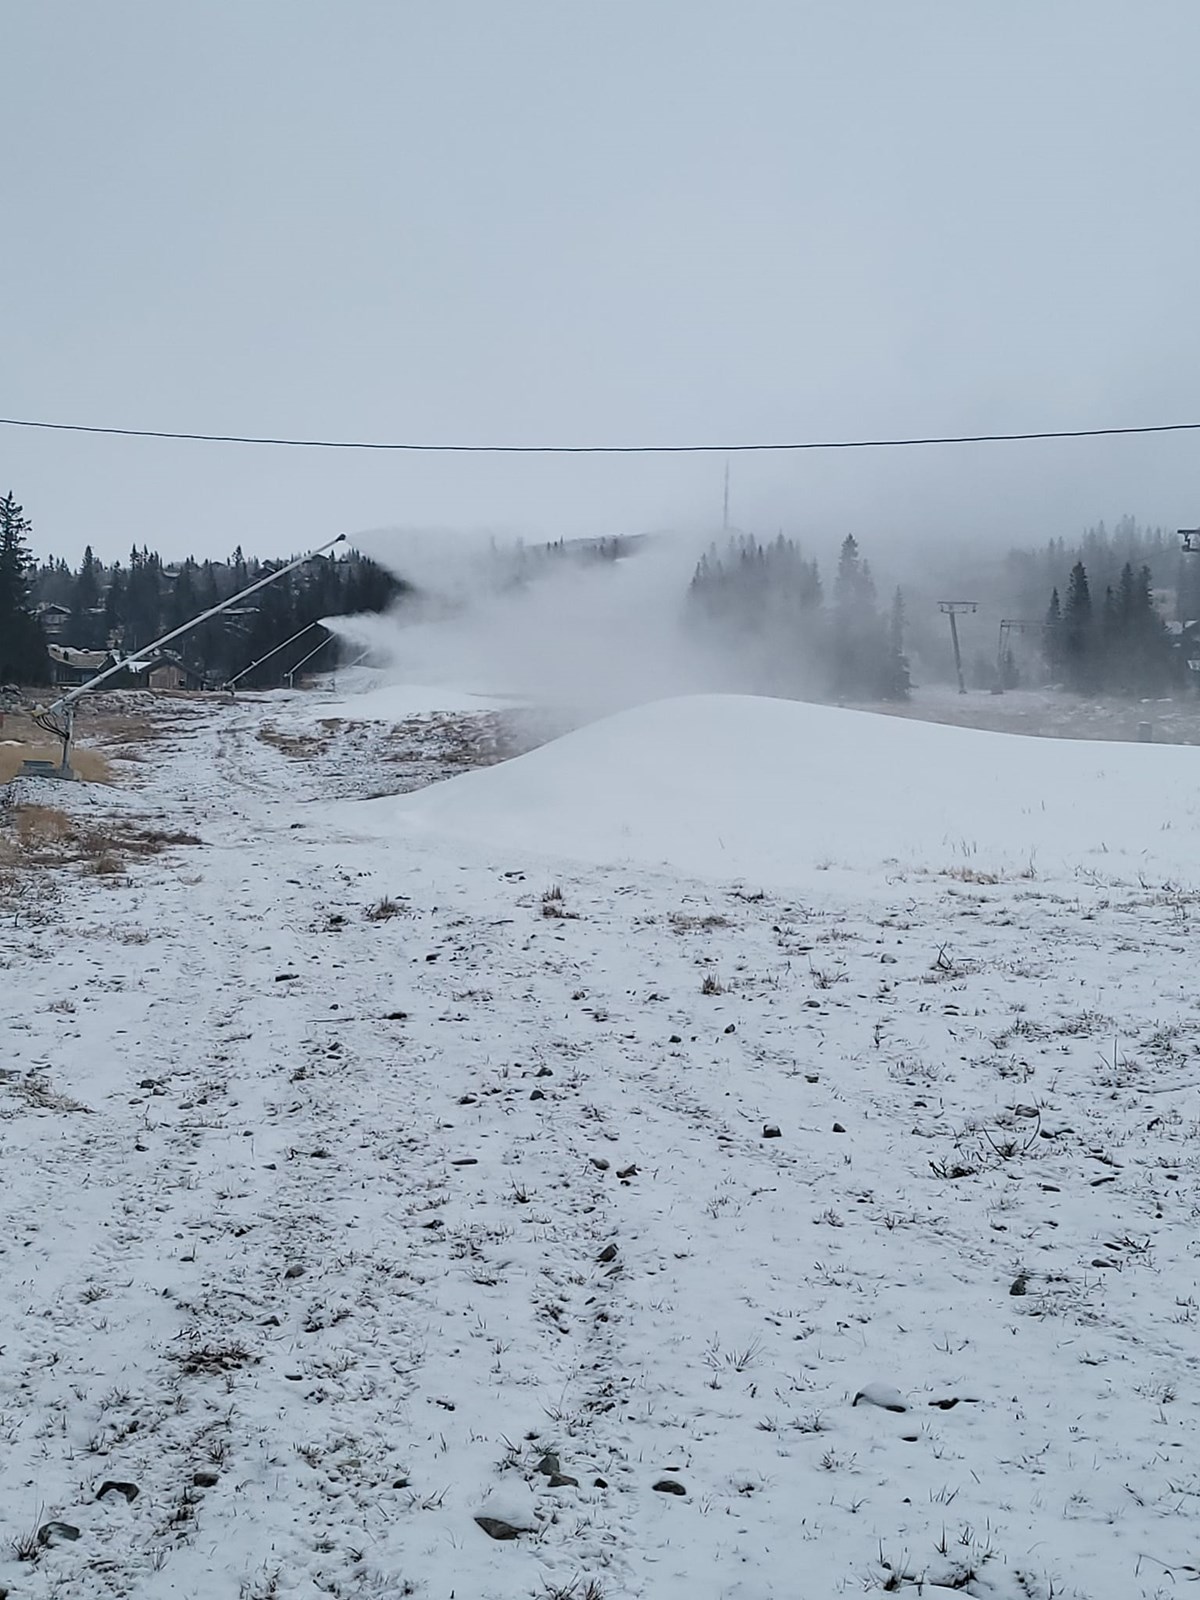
(369, 1199)
(771, 791)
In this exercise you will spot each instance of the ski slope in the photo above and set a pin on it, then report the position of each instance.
(727, 787)
(748, 1150)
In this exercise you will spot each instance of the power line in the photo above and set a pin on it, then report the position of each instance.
(597, 449)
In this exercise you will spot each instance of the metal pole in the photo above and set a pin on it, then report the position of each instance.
(308, 657)
(237, 678)
(65, 703)
(962, 688)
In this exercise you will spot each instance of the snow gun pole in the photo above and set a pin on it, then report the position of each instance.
(237, 677)
(59, 718)
(308, 657)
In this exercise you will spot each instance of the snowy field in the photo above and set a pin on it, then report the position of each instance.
(742, 1151)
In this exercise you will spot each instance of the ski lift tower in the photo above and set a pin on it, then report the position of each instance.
(955, 609)
(1009, 626)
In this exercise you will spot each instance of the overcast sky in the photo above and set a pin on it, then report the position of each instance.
(641, 220)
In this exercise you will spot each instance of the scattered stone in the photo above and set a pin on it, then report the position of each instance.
(544, 1072)
(149, 1083)
(51, 1533)
(600, 1164)
(400, 1483)
(812, 1077)
(628, 1172)
(285, 977)
(561, 1480)
(465, 1161)
(549, 1464)
(205, 1479)
(110, 1486)
(508, 1511)
(497, 1528)
(599, 1483)
(1020, 1284)
(948, 1404)
(536, 1094)
(675, 1039)
(837, 1128)
(468, 1099)
(669, 1486)
(888, 961)
(294, 1271)
(882, 1395)
(609, 1253)
(771, 1131)
(1101, 1261)
(732, 1028)
(396, 1016)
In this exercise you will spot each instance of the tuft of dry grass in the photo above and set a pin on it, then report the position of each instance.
(90, 765)
(383, 910)
(683, 922)
(44, 836)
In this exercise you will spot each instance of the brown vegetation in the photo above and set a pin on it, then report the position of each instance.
(88, 764)
(43, 836)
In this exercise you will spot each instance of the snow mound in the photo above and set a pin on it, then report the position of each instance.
(772, 791)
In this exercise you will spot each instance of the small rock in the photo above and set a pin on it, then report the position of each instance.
(51, 1533)
(600, 1164)
(948, 1404)
(628, 1172)
(396, 1016)
(599, 1483)
(609, 1253)
(204, 1479)
(771, 1131)
(496, 1527)
(669, 1486)
(536, 1094)
(1020, 1284)
(837, 1128)
(400, 1483)
(732, 1028)
(675, 1039)
(128, 1490)
(544, 1072)
(294, 1271)
(882, 1395)
(466, 1161)
(285, 977)
(148, 1083)
(549, 1464)
(561, 1480)
(812, 1077)
(508, 1511)
(467, 1099)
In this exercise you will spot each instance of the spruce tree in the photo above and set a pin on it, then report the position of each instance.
(23, 657)
(1079, 642)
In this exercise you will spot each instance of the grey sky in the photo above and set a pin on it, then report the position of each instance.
(601, 222)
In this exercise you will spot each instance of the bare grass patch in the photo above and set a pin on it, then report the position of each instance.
(90, 765)
(44, 836)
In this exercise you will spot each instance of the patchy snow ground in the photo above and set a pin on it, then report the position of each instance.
(364, 1159)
